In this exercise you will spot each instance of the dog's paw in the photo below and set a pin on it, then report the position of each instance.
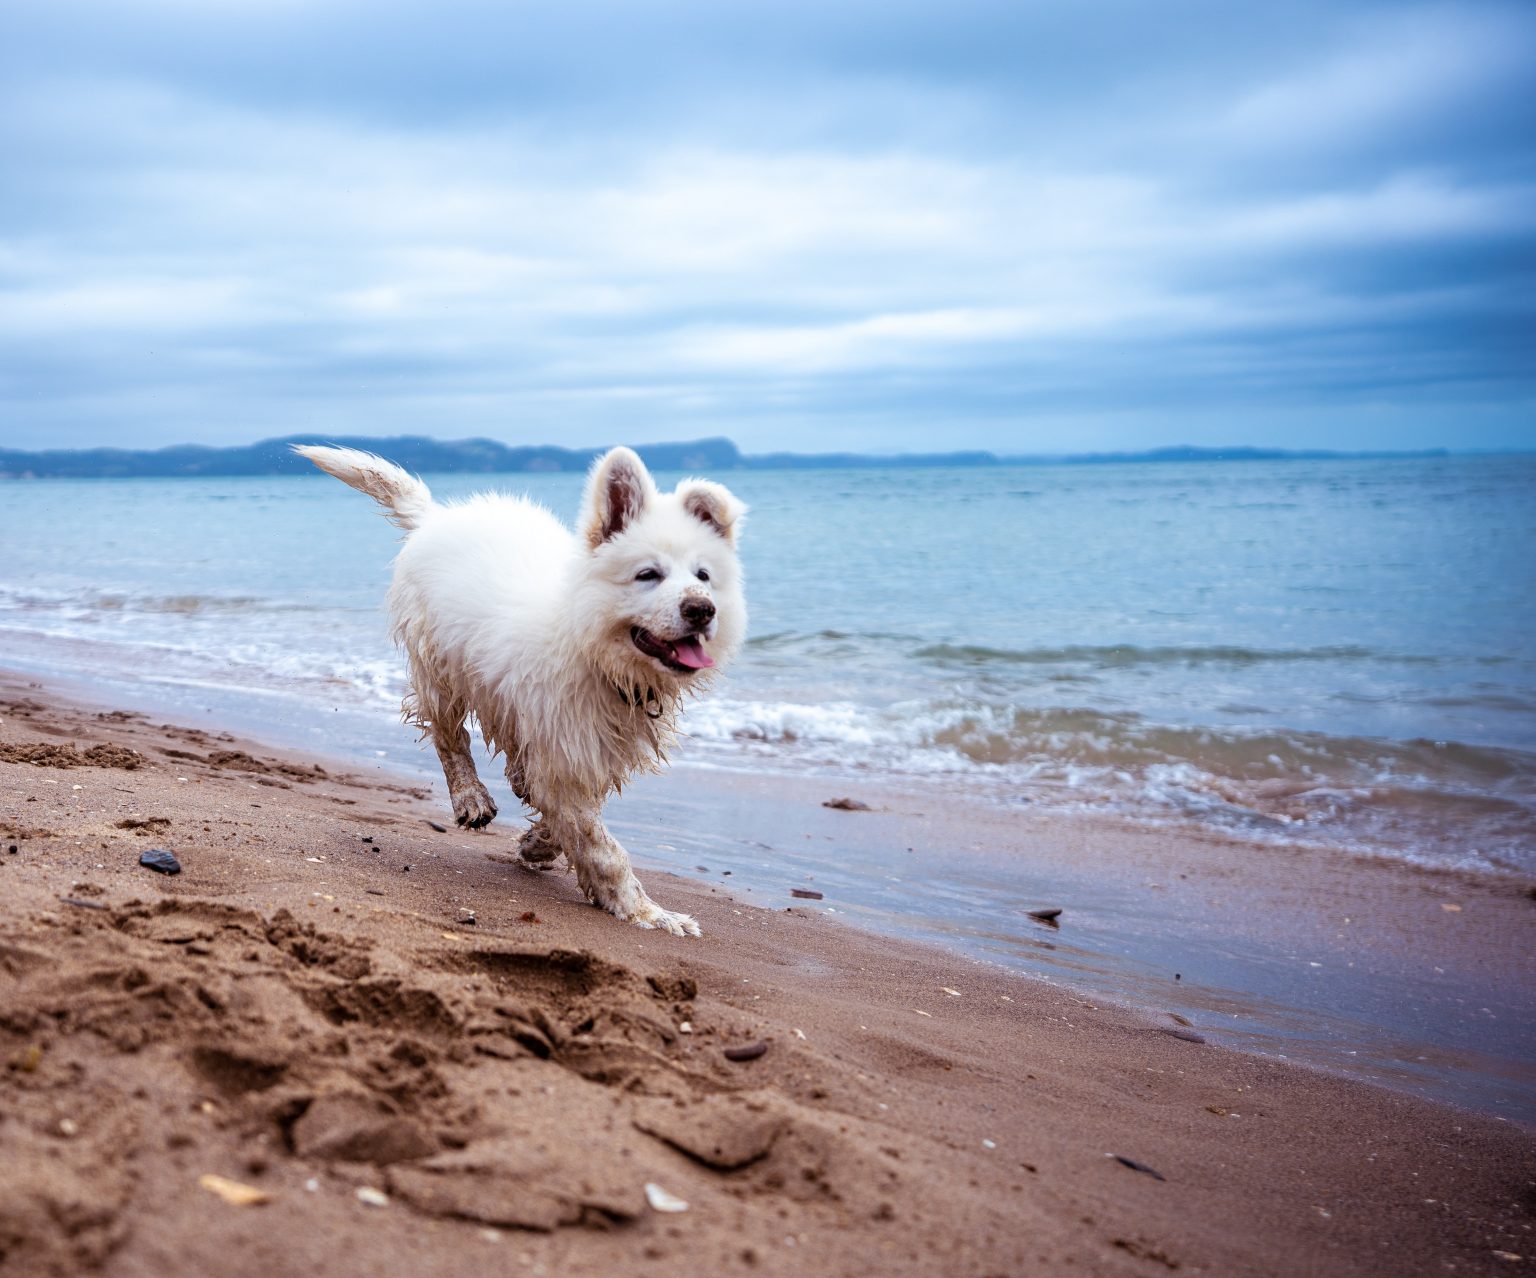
(653, 916)
(473, 806)
(537, 848)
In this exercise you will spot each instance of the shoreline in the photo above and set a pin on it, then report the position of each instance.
(299, 1013)
(1418, 978)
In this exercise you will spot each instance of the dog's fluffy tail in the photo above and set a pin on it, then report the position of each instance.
(406, 500)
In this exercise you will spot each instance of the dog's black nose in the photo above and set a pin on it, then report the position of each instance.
(698, 613)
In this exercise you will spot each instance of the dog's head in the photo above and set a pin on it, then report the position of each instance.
(662, 586)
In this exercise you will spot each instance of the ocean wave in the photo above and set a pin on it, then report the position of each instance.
(1130, 655)
(1456, 803)
(86, 602)
(789, 706)
(971, 657)
(1080, 736)
(254, 666)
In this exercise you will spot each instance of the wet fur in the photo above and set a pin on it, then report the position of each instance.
(508, 616)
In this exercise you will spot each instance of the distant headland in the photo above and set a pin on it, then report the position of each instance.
(487, 457)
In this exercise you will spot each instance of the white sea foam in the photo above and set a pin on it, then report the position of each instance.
(1366, 795)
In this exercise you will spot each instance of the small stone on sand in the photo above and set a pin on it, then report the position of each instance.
(161, 861)
(28, 1058)
(1138, 1167)
(233, 1192)
(660, 1200)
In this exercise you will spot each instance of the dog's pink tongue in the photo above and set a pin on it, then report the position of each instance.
(690, 652)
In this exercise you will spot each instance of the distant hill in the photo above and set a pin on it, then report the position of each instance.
(487, 457)
(414, 452)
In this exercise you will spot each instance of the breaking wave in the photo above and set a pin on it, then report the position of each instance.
(1441, 802)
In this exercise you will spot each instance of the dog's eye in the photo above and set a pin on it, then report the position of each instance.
(648, 574)
(702, 574)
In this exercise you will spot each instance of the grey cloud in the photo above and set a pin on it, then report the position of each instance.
(804, 226)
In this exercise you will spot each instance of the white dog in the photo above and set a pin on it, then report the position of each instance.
(572, 652)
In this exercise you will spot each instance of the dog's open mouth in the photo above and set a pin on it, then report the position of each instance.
(685, 655)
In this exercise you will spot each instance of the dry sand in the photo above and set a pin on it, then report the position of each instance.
(386, 1087)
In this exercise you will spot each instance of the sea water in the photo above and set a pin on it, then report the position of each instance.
(1334, 652)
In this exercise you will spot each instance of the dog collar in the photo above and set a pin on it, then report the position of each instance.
(643, 699)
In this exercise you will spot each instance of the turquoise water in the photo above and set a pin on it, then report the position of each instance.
(1334, 652)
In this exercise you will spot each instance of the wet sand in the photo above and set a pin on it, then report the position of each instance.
(1422, 979)
(301, 1014)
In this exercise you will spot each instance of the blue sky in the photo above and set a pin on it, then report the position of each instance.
(882, 226)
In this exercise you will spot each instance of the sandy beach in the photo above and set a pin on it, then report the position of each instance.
(345, 1039)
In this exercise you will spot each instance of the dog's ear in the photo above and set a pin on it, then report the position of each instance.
(618, 489)
(713, 506)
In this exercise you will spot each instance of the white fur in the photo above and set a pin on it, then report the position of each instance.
(508, 616)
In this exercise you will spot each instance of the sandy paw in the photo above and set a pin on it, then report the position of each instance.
(537, 849)
(473, 807)
(652, 915)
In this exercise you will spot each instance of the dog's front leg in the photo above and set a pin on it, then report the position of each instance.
(605, 874)
(472, 802)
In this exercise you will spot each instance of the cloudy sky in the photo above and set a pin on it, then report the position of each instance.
(876, 225)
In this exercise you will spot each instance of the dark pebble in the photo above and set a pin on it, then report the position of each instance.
(747, 1052)
(724, 871)
(1184, 1035)
(1047, 915)
(161, 861)
(805, 894)
(373, 891)
(441, 829)
(847, 805)
(1139, 1167)
(13, 849)
(702, 869)
(367, 838)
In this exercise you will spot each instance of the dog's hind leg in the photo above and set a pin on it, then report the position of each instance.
(538, 847)
(606, 876)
